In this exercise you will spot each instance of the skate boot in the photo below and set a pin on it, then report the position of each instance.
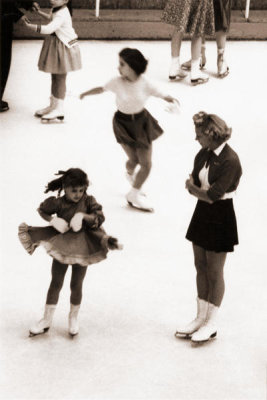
(187, 65)
(189, 329)
(57, 114)
(197, 77)
(209, 329)
(223, 69)
(73, 320)
(46, 110)
(136, 200)
(44, 324)
(175, 70)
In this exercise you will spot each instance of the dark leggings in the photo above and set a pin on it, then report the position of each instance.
(58, 272)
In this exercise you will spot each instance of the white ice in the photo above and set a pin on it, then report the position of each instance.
(133, 300)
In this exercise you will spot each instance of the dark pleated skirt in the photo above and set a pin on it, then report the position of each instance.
(222, 14)
(213, 226)
(136, 130)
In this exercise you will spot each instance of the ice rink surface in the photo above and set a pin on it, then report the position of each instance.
(133, 300)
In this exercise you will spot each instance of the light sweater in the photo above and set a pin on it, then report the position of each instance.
(131, 96)
(61, 25)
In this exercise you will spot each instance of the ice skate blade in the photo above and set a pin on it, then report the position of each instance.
(178, 77)
(72, 335)
(59, 119)
(212, 336)
(179, 335)
(199, 81)
(224, 74)
(151, 210)
(31, 334)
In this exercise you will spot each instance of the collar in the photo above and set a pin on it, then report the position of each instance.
(58, 8)
(219, 149)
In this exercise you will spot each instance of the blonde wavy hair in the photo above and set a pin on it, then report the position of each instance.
(212, 126)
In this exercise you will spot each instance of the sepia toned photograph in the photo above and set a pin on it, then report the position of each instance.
(133, 140)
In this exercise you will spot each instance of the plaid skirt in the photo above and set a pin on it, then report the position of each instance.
(222, 13)
(195, 17)
(213, 226)
(136, 130)
(56, 58)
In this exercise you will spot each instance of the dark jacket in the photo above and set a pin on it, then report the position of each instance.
(224, 171)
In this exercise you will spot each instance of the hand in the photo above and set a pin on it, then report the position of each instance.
(25, 20)
(77, 221)
(189, 182)
(92, 220)
(35, 6)
(173, 106)
(59, 224)
(81, 96)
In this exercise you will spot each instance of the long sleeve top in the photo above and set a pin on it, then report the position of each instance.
(61, 25)
(66, 209)
(224, 171)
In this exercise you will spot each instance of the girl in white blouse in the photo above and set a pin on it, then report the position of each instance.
(134, 127)
(60, 54)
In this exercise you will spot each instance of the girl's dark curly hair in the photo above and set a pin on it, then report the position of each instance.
(135, 59)
(72, 177)
(213, 126)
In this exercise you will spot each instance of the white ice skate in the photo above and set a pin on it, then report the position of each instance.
(209, 329)
(176, 71)
(44, 324)
(136, 200)
(193, 326)
(46, 110)
(57, 114)
(73, 320)
(223, 69)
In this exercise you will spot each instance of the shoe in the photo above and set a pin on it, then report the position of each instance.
(46, 110)
(4, 106)
(223, 69)
(189, 329)
(73, 320)
(209, 329)
(176, 71)
(44, 324)
(57, 114)
(136, 200)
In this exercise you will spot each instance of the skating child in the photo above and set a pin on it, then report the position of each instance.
(60, 54)
(75, 237)
(134, 127)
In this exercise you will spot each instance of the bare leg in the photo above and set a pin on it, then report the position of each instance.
(223, 69)
(175, 68)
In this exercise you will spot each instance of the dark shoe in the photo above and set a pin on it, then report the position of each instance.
(4, 106)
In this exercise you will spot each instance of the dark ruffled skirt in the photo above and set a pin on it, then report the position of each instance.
(222, 13)
(195, 17)
(84, 247)
(136, 130)
(213, 226)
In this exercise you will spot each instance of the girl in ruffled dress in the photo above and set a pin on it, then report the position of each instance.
(60, 54)
(75, 237)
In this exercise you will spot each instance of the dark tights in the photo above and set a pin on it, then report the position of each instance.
(58, 274)
(210, 279)
(58, 85)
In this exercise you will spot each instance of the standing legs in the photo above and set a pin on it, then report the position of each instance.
(175, 68)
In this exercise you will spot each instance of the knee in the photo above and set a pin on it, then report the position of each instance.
(146, 165)
(56, 285)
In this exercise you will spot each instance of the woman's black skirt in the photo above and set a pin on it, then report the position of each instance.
(213, 226)
(222, 14)
(136, 130)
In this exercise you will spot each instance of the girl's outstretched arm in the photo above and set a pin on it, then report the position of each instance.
(171, 99)
(37, 8)
(96, 90)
